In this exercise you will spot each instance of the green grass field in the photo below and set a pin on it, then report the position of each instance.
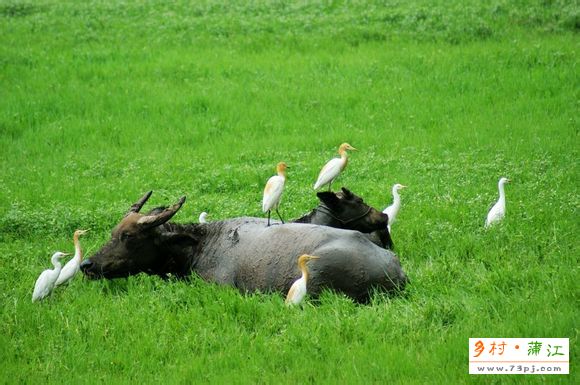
(101, 101)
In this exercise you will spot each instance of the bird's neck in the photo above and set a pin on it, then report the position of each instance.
(501, 193)
(78, 250)
(304, 270)
(396, 198)
(56, 262)
(282, 174)
(343, 158)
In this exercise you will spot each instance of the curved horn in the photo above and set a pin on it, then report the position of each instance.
(136, 207)
(158, 219)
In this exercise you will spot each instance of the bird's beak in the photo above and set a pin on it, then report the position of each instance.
(314, 257)
(403, 186)
(509, 180)
(66, 254)
(353, 149)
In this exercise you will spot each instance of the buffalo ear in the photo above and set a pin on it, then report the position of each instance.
(176, 238)
(347, 193)
(328, 198)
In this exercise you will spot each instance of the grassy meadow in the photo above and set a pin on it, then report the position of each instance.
(101, 101)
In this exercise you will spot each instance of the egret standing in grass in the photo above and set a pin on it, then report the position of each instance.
(333, 168)
(497, 212)
(45, 282)
(202, 217)
(298, 289)
(393, 209)
(273, 191)
(73, 266)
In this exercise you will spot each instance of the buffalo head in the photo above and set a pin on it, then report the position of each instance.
(139, 243)
(348, 211)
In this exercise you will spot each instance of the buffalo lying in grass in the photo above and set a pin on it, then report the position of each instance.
(244, 253)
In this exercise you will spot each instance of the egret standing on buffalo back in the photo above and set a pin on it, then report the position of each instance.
(273, 191)
(333, 167)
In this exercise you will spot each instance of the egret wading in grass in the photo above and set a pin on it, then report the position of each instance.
(497, 212)
(202, 217)
(273, 191)
(298, 289)
(73, 266)
(333, 168)
(45, 282)
(393, 209)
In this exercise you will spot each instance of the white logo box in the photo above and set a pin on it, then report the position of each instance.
(519, 355)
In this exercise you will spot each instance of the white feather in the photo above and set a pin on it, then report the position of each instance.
(297, 292)
(273, 192)
(298, 289)
(393, 209)
(74, 265)
(68, 271)
(329, 172)
(497, 212)
(45, 282)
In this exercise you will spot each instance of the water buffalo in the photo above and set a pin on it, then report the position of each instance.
(245, 253)
(345, 210)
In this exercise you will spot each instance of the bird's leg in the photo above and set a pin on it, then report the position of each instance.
(330, 186)
(277, 212)
(268, 218)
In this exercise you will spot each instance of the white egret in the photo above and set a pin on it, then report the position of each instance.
(273, 191)
(73, 266)
(497, 212)
(202, 217)
(333, 168)
(298, 289)
(393, 209)
(45, 282)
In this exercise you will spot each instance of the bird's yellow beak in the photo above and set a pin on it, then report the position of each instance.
(403, 186)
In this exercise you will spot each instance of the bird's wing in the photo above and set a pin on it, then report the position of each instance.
(297, 292)
(328, 172)
(272, 192)
(291, 294)
(67, 272)
(494, 214)
(41, 287)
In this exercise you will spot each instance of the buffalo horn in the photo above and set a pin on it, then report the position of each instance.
(162, 217)
(136, 207)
